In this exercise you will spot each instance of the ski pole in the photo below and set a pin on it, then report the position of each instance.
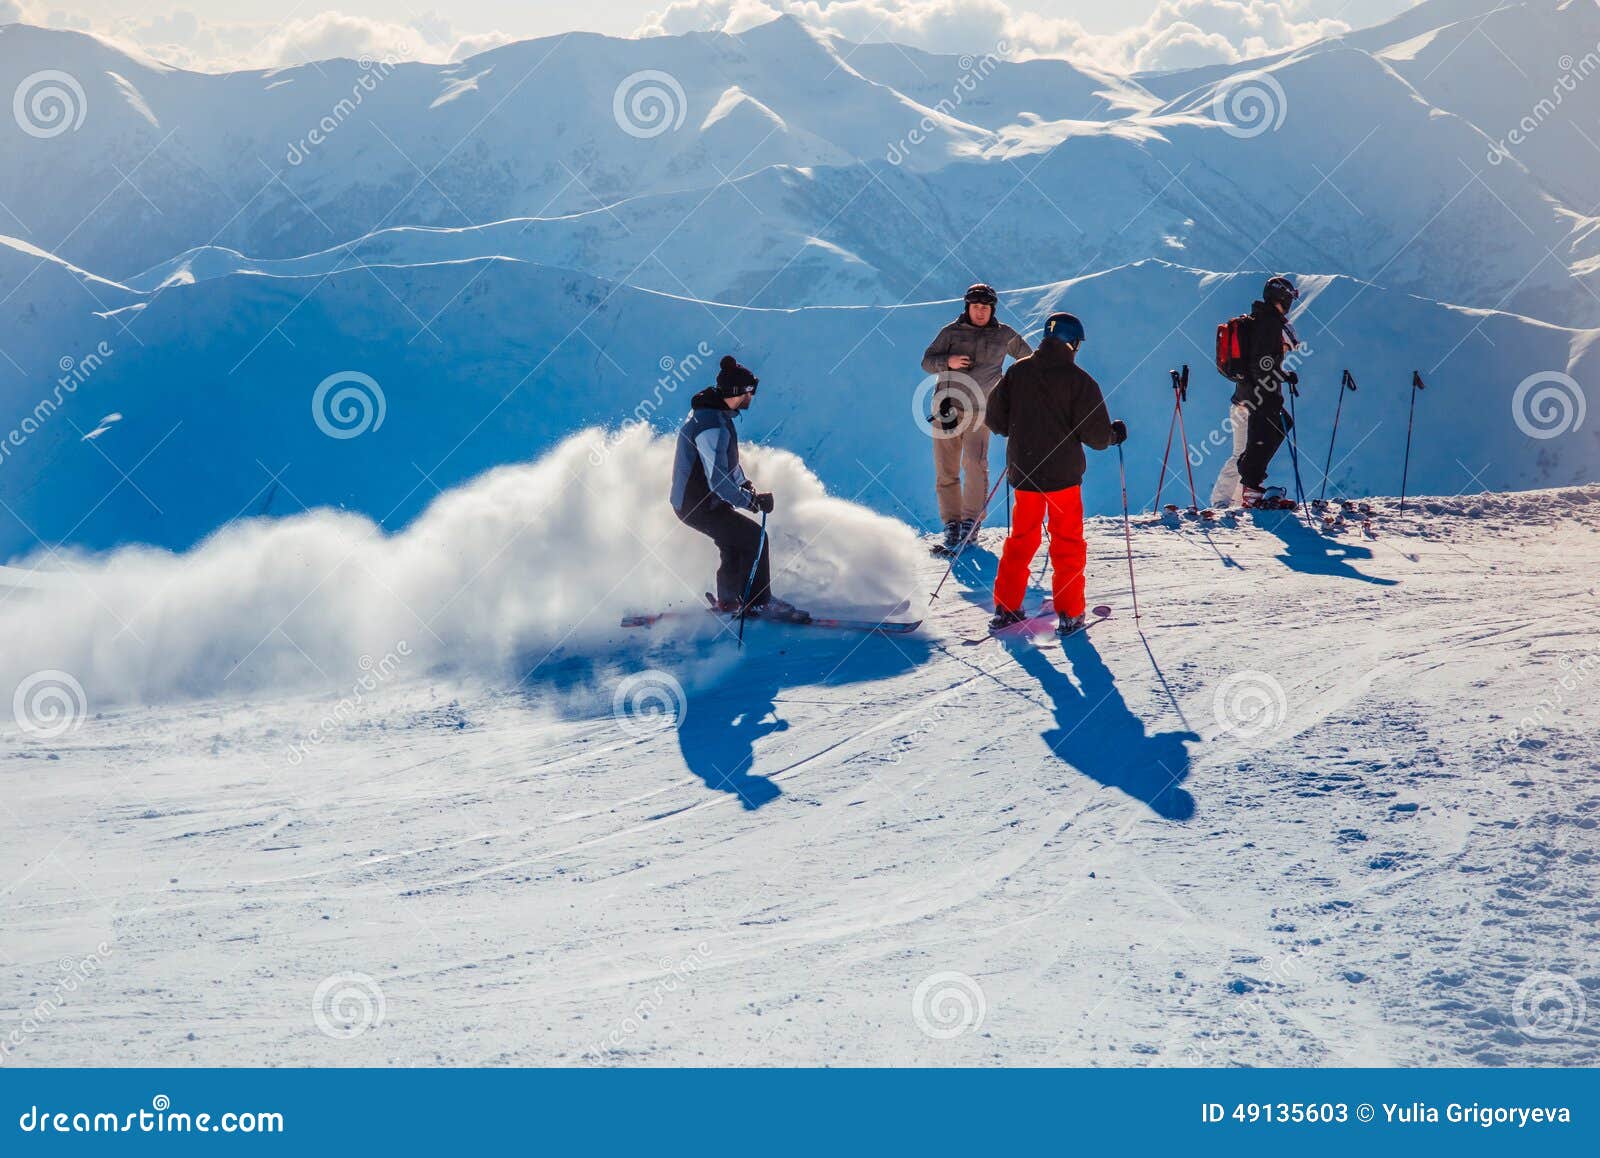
(1127, 531)
(744, 603)
(1181, 387)
(1172, 425)
(1294, 449)
(1405, 472)
(961, 546)
(1345, 383)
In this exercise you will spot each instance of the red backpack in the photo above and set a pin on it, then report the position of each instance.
(1233, 341)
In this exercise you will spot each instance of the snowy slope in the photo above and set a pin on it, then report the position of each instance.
(484, 364)
(948, 854)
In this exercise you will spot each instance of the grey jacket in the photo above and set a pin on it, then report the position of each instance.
(987, 346)
(707, 459)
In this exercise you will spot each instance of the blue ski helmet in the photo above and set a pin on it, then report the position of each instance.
(1064, 328)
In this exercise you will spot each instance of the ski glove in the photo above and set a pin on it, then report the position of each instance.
(1119, 432)
(948, 416)
(764, 502)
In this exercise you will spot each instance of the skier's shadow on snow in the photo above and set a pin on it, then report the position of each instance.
(1306, 550)
(975, 570)
(1096, 734)
(720, 727)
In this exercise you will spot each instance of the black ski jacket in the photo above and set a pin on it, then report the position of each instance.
(1262, 387)
(1048, 409)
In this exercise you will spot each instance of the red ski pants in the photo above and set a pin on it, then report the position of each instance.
(1068, 553)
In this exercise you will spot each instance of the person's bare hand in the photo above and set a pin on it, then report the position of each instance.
(959, 361)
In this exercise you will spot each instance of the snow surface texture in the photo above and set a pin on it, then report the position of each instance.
(518, 563)
(1337, 805)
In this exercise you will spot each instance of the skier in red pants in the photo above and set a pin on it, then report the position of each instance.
(1048, 409)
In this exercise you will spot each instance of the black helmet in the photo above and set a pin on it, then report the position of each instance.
(1279, 291)
(1064, 328)
(981, 294)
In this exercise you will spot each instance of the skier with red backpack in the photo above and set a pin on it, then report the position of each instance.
(1250, 352)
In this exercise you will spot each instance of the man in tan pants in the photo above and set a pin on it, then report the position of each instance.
(968, 355)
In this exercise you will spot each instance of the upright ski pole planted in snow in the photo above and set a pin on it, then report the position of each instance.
(962, 546)
(1405, 472)
(1345, 383)
(1180, 387)
(761, 549)
(1127, 531)
(1180, 395)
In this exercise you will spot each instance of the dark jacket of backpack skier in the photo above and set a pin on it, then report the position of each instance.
(1262, 387)
(705, 471)
(987, 346)
(1048, 409)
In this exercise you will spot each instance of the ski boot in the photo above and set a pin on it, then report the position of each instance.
(778, 611)
(1069, 624)
(952, 536)
(969, 529)
(1004, 619)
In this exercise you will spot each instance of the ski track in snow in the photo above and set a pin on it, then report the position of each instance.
(1376, 880)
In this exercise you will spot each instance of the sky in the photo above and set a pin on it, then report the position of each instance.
(216, 35)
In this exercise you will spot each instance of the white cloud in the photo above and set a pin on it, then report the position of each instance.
(1180, 33)
(183, 38)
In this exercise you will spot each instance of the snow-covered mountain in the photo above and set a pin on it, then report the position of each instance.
(783, 166)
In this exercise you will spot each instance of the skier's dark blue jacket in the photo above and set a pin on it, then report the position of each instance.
(707, 460)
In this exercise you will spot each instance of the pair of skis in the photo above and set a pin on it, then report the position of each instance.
(886, 624)
(1039, 627)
